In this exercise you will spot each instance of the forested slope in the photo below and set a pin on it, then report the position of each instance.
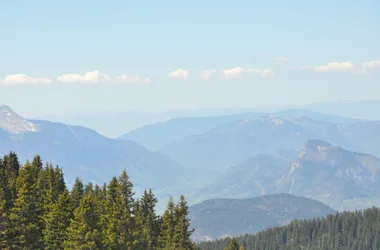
(38, 212)
(358, 230)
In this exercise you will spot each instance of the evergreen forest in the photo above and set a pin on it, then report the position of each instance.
(359, 230)
(37, 211)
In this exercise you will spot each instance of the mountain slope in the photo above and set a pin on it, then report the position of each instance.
(155, 136)
(342, 230)
(218, 218)
(85, 153)
(332, 174)
(232, 143)
(13, 123)
(257, 176)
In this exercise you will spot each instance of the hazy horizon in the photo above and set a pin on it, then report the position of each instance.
(158, 57)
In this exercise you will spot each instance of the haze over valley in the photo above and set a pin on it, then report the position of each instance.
(199, 125)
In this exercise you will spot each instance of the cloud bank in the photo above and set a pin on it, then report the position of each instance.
(371, 64)
(181, 74)
(89, 77)
(22, 79)
(97, 77)
(335, 66)
(237, 72)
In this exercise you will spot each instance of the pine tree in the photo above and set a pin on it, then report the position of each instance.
(110, 232)
(166, 239)
(233, 245)
(147, 221)
(84, 231)
(182, 234)
(119, 220)
(77, 192)
(25, 215)
(4, 220)
(57, 221)
(11, 166)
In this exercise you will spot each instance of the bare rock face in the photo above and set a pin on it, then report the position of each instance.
(11, 122)
(332, 174)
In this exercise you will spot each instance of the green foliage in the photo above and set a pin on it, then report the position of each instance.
(38, 212)
(166, 240)
(84, 231)
(57, 220)
(4, 220)
(119, 223)
(182, 232)
(345, 230)
(77, 193)
(25, 215)
(233, 245)
(147, 221)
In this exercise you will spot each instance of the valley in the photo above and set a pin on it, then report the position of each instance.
(242, 156)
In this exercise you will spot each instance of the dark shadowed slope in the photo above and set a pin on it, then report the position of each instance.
(218, 218)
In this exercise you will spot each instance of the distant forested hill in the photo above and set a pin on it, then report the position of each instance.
(358, 230)
(218, 218)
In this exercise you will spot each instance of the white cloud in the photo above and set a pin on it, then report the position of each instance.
(237, 71)
(371, 64)
(89, 77)
(19, 79)
(132, 79)
(335, 66)
(282, 60)
(206, 74)
(180, 74)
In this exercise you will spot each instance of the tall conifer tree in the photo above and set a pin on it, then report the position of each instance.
(25, 215)
(57, 221)
(84, 231)
(77, 193)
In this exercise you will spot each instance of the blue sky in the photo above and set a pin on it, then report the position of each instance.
(86, 56)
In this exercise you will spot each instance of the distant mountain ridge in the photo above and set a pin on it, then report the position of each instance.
(368, 109)
(321, 171)
(332, 174)
(256, 176)
(219, 218)
(85, 153)
(161, 134)
(232, 143)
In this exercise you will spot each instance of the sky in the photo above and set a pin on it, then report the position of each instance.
(155, 56)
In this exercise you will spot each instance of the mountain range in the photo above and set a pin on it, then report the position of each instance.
(233, 143)
(85, 153)
(240, 155)
(158, 135)
(332, 174)
(321, 171)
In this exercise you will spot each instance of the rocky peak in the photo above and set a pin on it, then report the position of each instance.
(12, 122)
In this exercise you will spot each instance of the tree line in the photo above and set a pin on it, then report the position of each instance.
(356, 230)
(37, 211)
